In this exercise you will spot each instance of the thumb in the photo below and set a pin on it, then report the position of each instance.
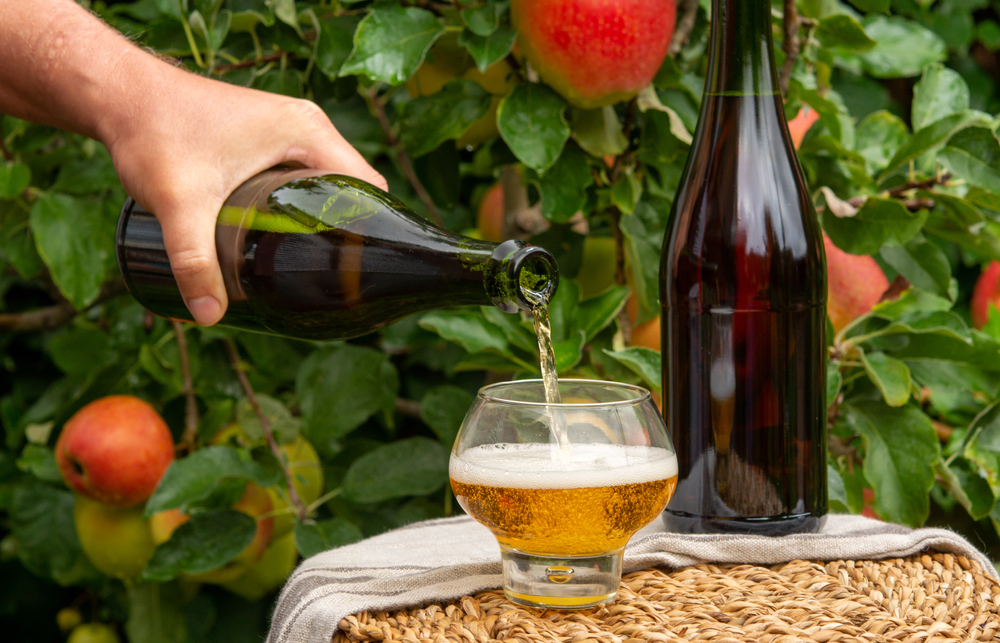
(189, 238)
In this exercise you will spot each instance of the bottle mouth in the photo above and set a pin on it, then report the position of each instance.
(536, 275)
(524, 277)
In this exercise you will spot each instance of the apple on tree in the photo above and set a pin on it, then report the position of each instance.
(855, 283)
(595, 52)
(114, 450)
(117, 540)
(256, 503)
(985, 294)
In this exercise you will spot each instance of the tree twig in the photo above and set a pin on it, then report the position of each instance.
(900, 190)
(688, 11)
(409, 408)
(293, 496)
(623, 320)
(404, 160)
(187, 443)
(270, 58)
(791, 44)
(57, 315)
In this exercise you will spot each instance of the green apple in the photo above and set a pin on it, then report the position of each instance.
(117, 540)
(93, 633)
(268, 573)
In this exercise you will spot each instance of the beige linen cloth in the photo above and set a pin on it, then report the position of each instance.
(441, 560)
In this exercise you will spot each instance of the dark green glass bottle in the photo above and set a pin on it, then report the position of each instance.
(743, 290)
(316, 256)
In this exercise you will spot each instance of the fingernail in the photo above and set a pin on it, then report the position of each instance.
(206, 310)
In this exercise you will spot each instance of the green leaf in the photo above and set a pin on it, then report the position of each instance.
(902, 47)
(562, 310)
(901, 448)
(195, 477)
(941, 92)
(80, 350)
(876, 223)
(283, 425)
(951, 383)
(836, 491)
(469, 330)
(834, 380)
(872, 6)
(974, 155)
(483, 19)
(516, 331)
(443, 408)
(321, 536)
(341, 386)
(842, 31)
(40, 462)
(970, 489)
(530, 120)
(207, 541)
(431, 120)
(285, 10)
(879, 136)
(564, 186)
(922, 263)
(595, 314)
(487, 50)
(984, 432)
(598, 131)
(41, 522)
(74, 242)
(156, 613)
(336, 39)
(933, 135)
(643, 230)
(891, 376)
(626, 192)
(569, 351)
(17, 243)
(411, 467)
(14, 179)
(391, 42)
(644, 362)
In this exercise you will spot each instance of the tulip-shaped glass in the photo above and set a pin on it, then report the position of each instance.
(563, 513)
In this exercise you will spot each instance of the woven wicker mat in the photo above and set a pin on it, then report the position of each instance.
(927, 598)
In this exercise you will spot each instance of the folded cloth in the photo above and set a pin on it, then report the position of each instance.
(442, 560)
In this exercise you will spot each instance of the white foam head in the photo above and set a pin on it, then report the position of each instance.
(538, 466)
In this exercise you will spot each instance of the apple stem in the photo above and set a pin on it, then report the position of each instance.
(187, 444)
(404, 161)
(234, 358)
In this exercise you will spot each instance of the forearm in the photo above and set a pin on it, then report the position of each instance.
(64, 67)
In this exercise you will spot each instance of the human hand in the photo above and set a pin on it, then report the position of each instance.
(182, 150)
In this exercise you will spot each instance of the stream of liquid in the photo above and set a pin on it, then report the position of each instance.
(550, 380)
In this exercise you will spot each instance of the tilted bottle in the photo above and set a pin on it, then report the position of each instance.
(743, 291)
(311, 255)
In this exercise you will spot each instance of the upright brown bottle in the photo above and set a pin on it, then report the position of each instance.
(743, 290)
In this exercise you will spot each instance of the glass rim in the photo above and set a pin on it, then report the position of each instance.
(642, 392)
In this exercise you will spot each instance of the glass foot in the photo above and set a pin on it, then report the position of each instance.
(565, 582)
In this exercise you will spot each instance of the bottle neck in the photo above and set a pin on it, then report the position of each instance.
(741, 51)
(520, 277)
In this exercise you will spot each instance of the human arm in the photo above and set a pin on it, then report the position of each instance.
(181, 143)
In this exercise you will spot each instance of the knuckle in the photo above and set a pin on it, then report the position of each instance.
(191, 264)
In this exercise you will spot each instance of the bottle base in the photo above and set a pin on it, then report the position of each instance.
(685, 523)
(563, 582)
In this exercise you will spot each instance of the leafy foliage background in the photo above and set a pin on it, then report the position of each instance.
(905, 145)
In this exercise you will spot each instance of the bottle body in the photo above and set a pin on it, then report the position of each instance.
(743, 290)
(315, 256)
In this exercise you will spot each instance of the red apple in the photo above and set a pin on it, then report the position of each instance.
(799, 125)
(986, 292)
(855, 283)
(489, 214)
(115, 450)
(595, 52)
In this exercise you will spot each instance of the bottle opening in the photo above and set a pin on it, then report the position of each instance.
(536, 276)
